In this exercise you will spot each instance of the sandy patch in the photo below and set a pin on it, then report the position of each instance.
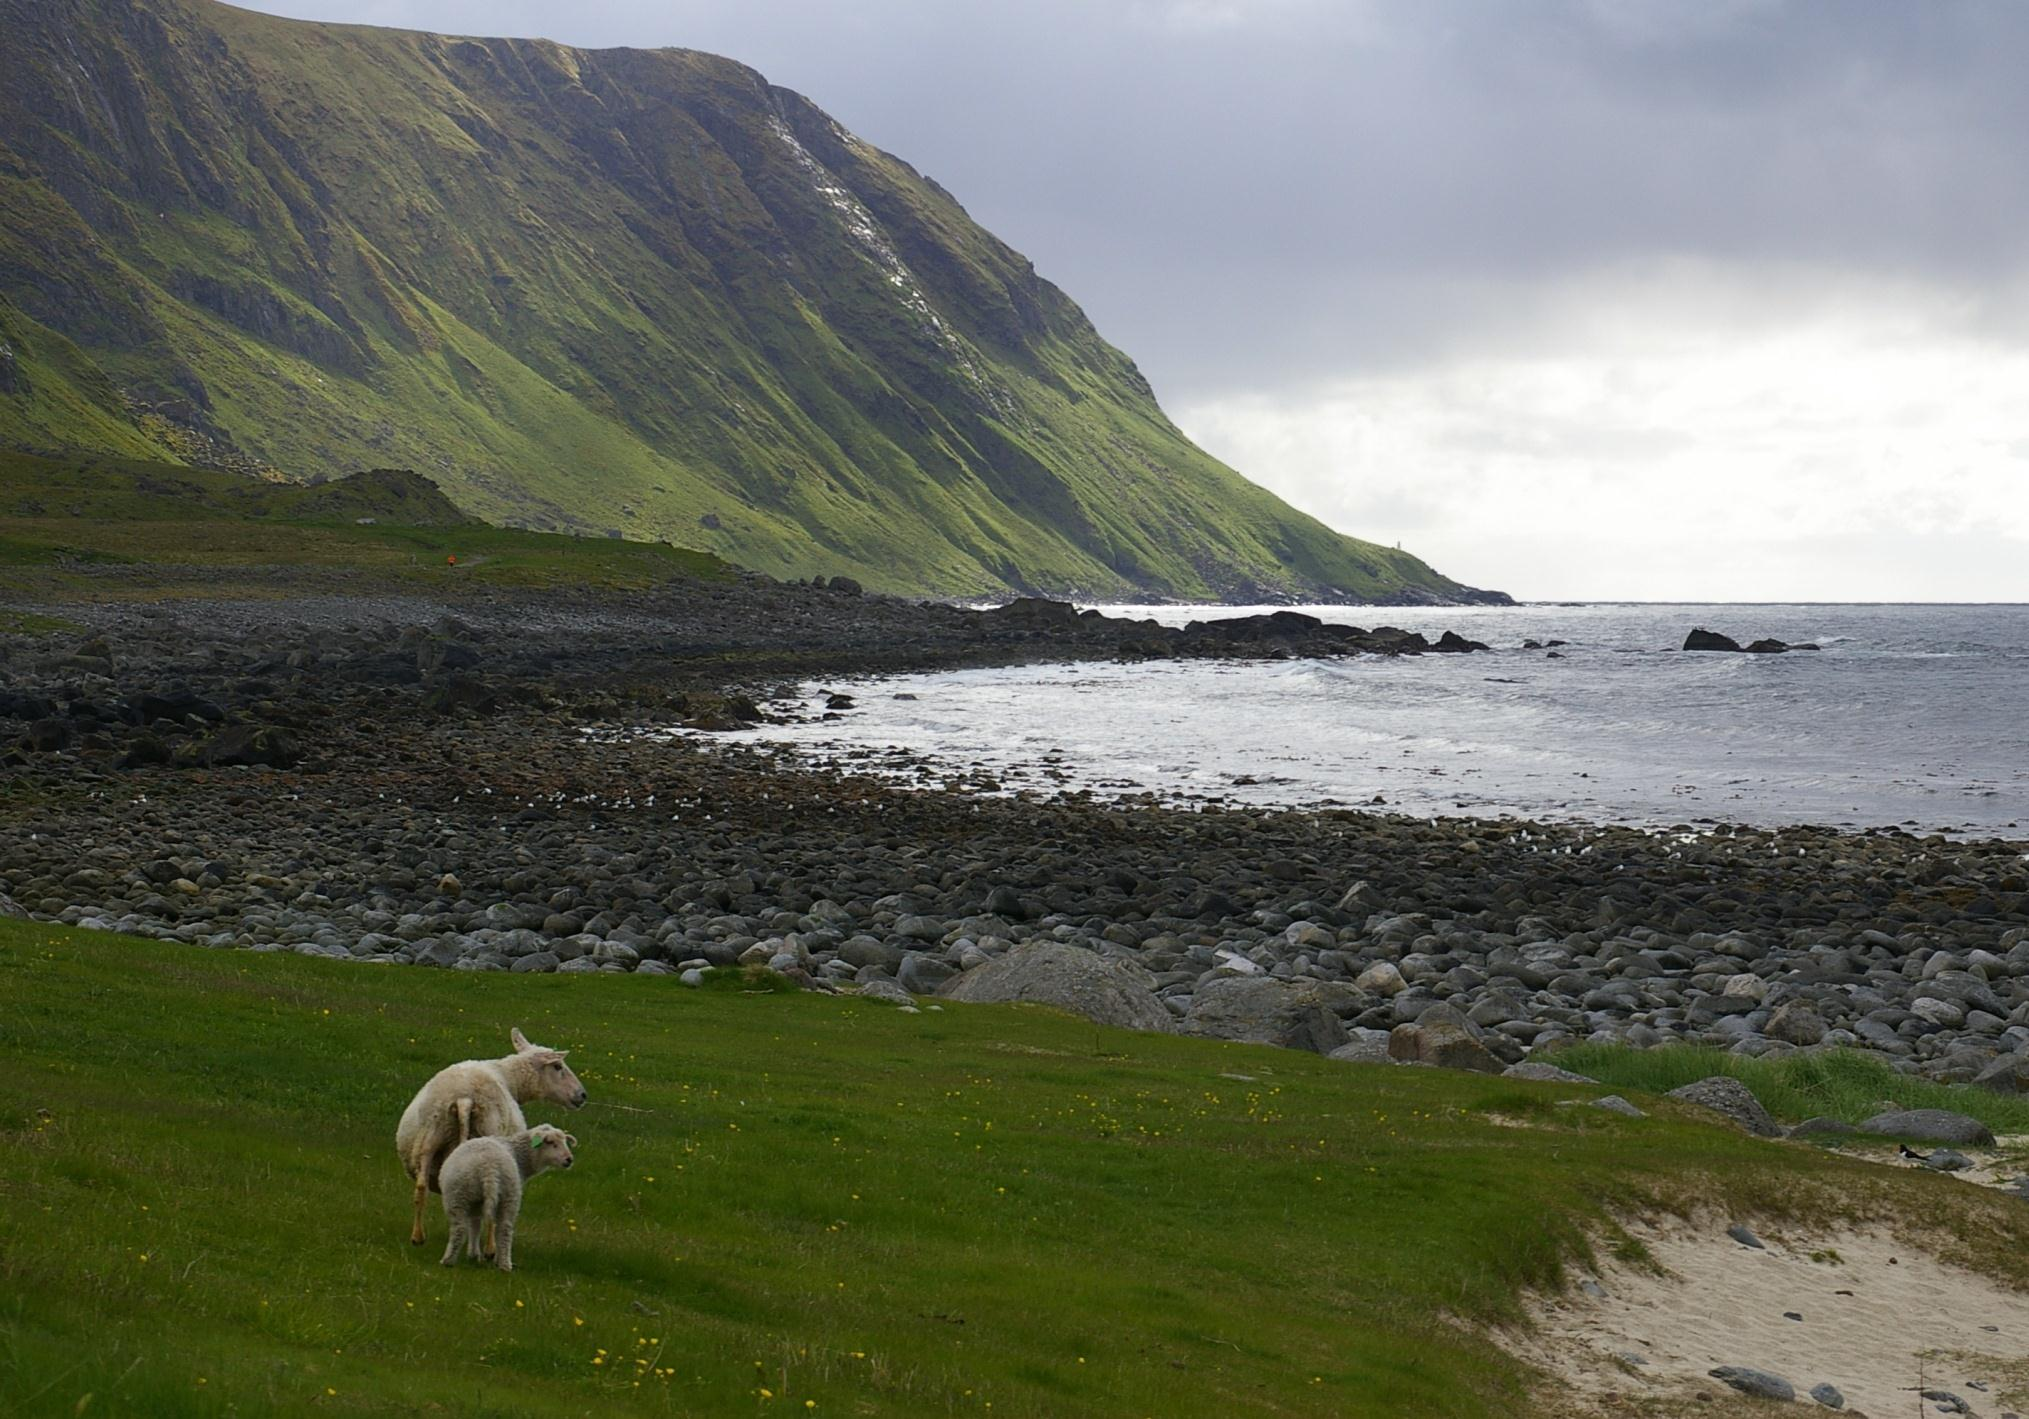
(1996, 1167)
(1863, 1312)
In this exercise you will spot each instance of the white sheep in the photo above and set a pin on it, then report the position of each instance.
(483, 1179)
(476, 1099)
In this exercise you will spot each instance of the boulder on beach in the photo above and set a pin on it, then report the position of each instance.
(1930, 1126)
(1069, 978)
(2006, 1074)
(1731, 1099)
(1443, 1036)
(1263, 1010)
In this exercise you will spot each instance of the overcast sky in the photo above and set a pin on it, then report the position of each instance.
(1661, 299)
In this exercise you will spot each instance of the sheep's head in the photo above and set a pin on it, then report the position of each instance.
(551, 1147)
(553, 1078)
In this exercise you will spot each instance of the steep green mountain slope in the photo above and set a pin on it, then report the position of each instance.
(628, 291)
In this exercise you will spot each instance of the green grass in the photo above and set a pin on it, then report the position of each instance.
(857, 1210)
(29, 623)
(1849, 1085)
(61, 514)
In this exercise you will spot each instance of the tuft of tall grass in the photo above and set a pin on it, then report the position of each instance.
(1850, 1085)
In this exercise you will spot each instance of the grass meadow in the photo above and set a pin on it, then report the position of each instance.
(794, 1204)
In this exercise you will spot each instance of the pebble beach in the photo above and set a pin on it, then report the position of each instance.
(491, 784)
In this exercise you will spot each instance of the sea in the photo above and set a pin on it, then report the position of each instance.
(1909, 716)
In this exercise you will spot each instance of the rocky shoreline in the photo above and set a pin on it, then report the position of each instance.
(481, 786)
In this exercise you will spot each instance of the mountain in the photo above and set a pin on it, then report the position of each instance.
(644, 293)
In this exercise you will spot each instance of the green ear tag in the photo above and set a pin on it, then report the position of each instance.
(538, 1140)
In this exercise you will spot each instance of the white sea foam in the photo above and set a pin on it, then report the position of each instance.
(1911, 715)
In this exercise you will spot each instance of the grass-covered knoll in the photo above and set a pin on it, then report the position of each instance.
(789, 1204)
(1848, 1085)
(62, 516)
(642, 291)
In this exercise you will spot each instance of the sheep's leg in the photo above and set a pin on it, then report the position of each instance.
(492, 1239)
(451, 1246)
(422, 1203)
(504, 1241)
(472, 1225)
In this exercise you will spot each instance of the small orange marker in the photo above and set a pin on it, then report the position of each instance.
(450, 561)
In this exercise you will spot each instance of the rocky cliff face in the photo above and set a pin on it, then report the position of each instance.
(641, 292)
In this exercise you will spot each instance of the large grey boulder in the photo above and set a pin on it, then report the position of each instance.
(1930, 1126)
(1364, 1046)
(1795, 1022)
(883, 989)
(921, 974)
(1263, 1010)
(1069, 978)
(2008, 1074)
(1444, 1037)
(1731, 1099)
(866, 950)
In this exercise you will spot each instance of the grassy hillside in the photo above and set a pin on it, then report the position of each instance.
(59, 512)
(623, 290)
(791, 1204)
(53, 396)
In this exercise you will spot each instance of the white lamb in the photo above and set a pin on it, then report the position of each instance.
(476, 1099)
(483, 1179)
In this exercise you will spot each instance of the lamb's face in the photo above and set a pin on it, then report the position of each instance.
(554, 1079)
(551, 1147)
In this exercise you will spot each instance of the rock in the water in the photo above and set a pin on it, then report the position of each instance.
(1731, 1099)
(1702, 639)
(1263, 1010)
(1069, 978)
(1829, 1396)
(1931, 1126)
(1759, 1383)
(1444, 1037)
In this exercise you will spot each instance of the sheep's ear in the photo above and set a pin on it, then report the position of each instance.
(537, 1140)
(521, 1044)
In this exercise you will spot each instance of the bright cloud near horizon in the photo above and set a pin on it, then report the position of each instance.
(1582, 299)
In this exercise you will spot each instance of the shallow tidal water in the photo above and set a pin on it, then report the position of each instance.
(1916, 716)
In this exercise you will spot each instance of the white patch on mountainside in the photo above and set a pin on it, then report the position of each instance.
(873, 243)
